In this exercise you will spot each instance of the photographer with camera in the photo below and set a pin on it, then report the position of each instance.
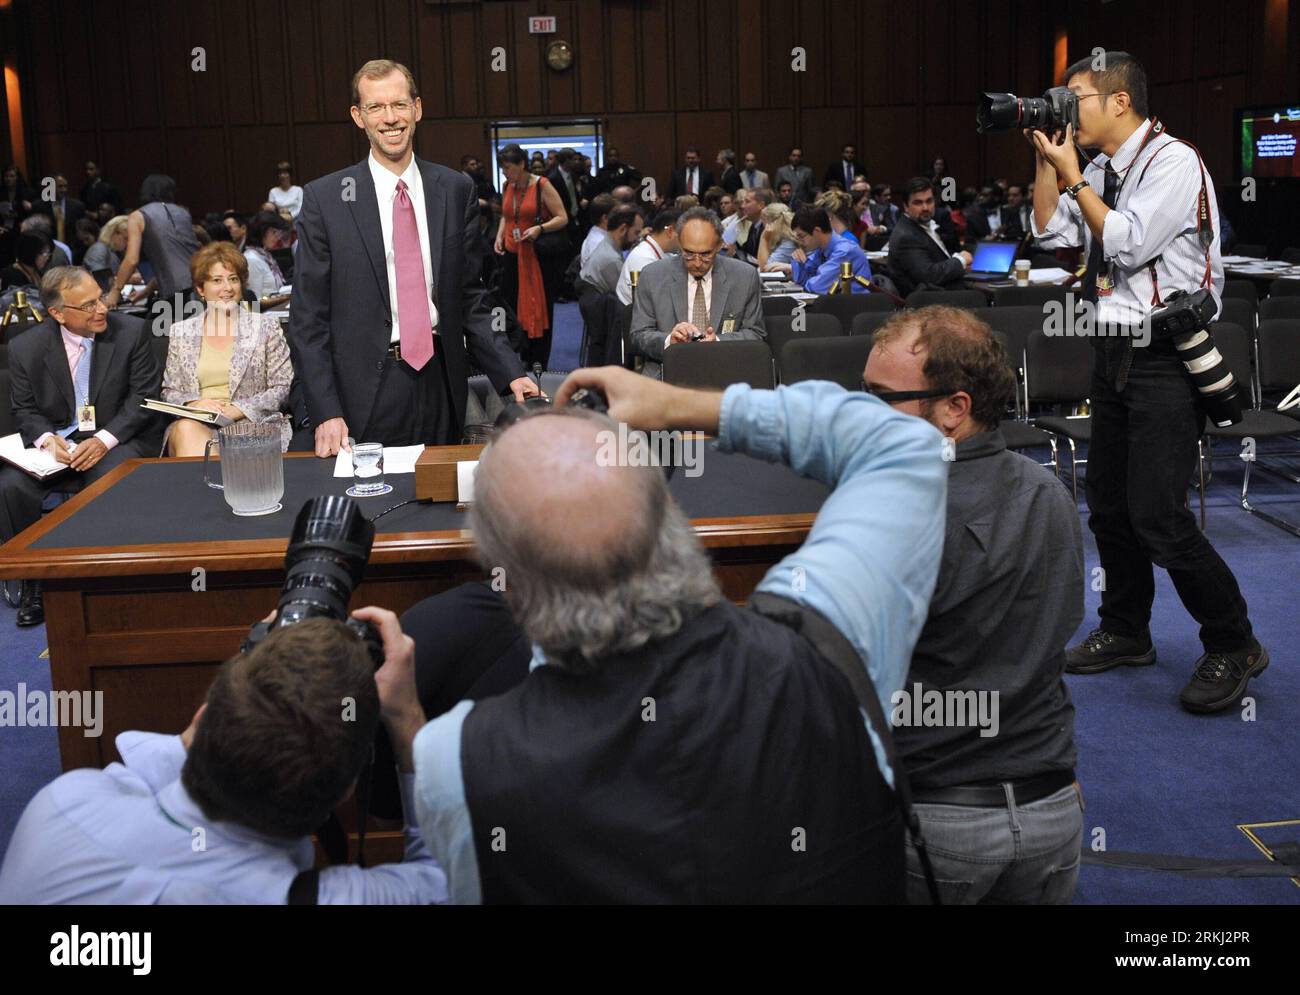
(1144, 209)
(223, 813)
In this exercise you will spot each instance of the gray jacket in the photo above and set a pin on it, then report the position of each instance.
(661, 304)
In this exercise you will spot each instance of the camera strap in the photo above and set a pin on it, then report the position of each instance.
(1204, 229)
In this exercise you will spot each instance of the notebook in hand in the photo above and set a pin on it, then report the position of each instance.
(36, 462)
(181, 411)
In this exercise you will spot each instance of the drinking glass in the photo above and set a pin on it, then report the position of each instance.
(368, 470)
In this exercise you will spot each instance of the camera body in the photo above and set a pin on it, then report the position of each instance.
(327, 555)
(1051, 112)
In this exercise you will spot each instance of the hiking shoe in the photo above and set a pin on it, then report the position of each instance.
(1220, 678)
(1103, 650)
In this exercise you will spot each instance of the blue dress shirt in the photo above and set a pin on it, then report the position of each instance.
(130, 834)
(822, 268)
(869, 564)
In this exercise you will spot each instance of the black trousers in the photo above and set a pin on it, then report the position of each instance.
(536, 350)
(412, 407)
(1140, 461)
(467, 645)
(21, 495)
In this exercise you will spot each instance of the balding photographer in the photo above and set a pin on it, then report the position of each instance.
(668, 745)
(1144, 210)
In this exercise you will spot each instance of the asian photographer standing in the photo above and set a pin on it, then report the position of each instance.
(1135, 208)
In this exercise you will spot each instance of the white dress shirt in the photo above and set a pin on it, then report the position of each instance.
(386, 192)
(1153, 219)
(290, 199)
(642, 255)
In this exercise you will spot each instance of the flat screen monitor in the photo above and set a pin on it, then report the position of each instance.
(1267, 140)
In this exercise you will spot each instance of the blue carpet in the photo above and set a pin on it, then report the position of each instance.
(1155, 779)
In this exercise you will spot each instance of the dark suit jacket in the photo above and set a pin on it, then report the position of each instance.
(340, 315)
(977, 223)
(835, 171)
(74, 211)
(677, 186)
(123, 372)
(731, 181)
(915, 259)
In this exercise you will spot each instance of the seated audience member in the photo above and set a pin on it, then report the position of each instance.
(785, 194)
(32, 252)
(712, 200)
(606, 261)
(686, 201)
(202, 235)
(719, 295)
(749, 230)
(984, 218)
(838, 206)
(285, 195)
(237, 225)
(816, 263)
(52, 367)
(884, 212)
(17, 192)
(598, 210)
(98, 191)
(1008, 599)
(87, 234)
(263, 764)
(1016, 211)
(777, 245)
(917, 256)
(760, 729)
(660, 241)
(265, 232)
(39, 224)
(161, 233)
(624, 194)
(864, 225)
(228, 359)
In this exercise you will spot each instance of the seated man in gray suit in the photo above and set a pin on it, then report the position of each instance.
(698, 295)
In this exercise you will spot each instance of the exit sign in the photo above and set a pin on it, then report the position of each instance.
(541, 25)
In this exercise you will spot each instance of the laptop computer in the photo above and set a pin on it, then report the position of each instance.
(993, 261)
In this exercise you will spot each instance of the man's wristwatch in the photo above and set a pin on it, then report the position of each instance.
(1073, 191)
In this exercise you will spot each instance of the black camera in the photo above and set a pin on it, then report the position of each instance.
(327, 555)
(1051, 112)
(1185, 318)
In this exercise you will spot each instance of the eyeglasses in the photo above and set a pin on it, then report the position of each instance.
(701, 256)
(903, 396)
(1099, 93)
(397, 107)
(90, 307)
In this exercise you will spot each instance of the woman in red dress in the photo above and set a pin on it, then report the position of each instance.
(523, 220)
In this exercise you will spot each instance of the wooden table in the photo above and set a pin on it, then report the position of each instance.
(148, 624)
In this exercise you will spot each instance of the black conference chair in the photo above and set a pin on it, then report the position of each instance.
(1058, 370)
(867, 323)
(779, 305)
(1284, 287)
(816, 326)
(1014, 325)
(1291, 256)
(1028, 296)
(846, 307)
(1248, 249)
(1017, 433)
(1240, 288)
(1279, 307)
(973, 299)
(840, 360)
(718, 365)
(1239, 311)
(1278, 368)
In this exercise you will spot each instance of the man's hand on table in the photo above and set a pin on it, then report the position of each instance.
(523, 387)
(399, 701)
(331, 436)
(645, 403)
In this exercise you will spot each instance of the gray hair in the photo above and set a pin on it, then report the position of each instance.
(57, 280)
(728, 155)
(583, 610)
(38, 222)
(699, 214)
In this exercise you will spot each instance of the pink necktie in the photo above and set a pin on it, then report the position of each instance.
(412, 294)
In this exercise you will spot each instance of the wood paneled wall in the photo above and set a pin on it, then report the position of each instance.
(114, 81)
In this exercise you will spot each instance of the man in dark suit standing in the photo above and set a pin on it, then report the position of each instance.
(691, 178)
(387, 308)
(78, 379)
(842, 173)
(917, 255)
(729, 176)
(64, 211)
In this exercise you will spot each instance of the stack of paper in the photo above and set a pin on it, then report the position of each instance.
(37, 462)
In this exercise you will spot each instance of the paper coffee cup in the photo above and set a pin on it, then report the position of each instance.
(1022, 272)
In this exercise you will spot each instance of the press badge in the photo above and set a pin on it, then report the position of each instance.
(729, 325)
(86, 418)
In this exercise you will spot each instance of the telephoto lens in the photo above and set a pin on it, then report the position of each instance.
(1220, 396)
(1052, 111)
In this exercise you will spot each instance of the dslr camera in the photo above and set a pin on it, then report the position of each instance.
(1051, 112)
(327, 555)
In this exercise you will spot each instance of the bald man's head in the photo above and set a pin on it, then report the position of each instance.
(598, 559)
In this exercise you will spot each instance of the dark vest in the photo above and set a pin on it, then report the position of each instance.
(756, 781)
